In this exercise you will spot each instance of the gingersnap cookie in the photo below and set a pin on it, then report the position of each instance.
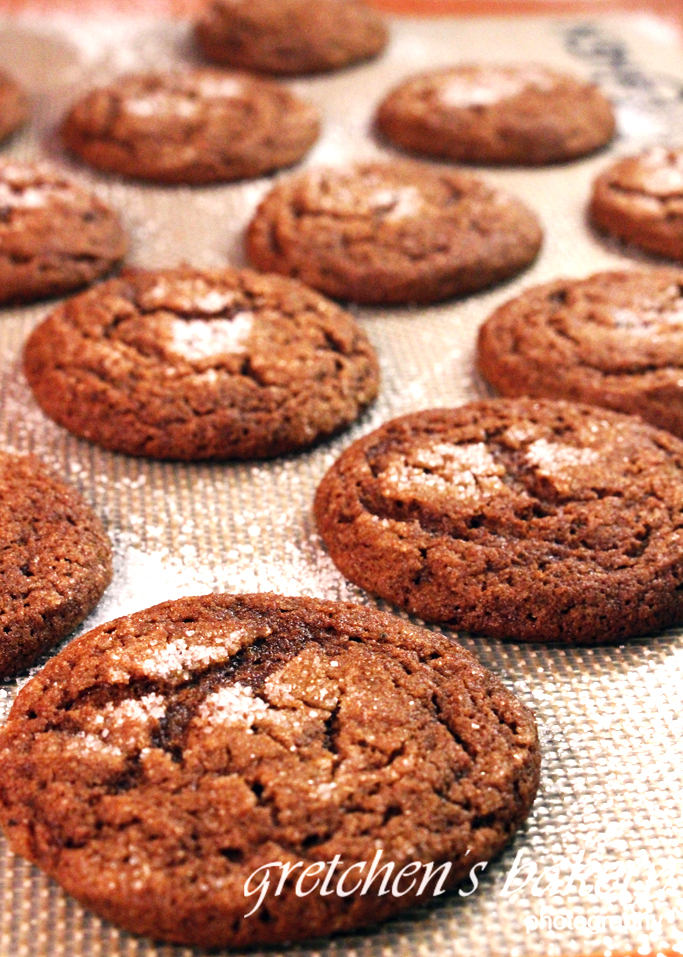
(55, 561)
(54, 235)
(226, 770)
(639, 200)
(521, 519)
(201, 364)
(13, 106)
(195, 126)
(290, 36)
(512, 115)
(392, 233)
(614, 340)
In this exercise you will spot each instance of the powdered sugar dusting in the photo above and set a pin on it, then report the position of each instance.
(663, 170)
(641, 319)
(196, 339)
(23, 187)
(553, 457)
(161, 103)
(143, 710)
(220, 87)
(402, 203)
(180, 656)
(461, 471)
(489, 86)
(193, 296)
(232, 705)
(86, 745)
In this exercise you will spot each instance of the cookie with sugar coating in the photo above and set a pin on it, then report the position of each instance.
(391, 233)
(191, 126)
(159, 765)
(201, 364)
(531, 520)
(514, 115)
(290, 37)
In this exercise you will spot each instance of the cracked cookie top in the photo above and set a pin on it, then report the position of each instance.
(392, 232)
(193, 126)
(513, 115)
(55, 561)
(198, 364)
(290, 36)
(614, 340)
(54, 235)
(188, 745)
(521, 519)
(639, 199)
(13, 106)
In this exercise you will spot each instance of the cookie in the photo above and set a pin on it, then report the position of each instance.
(55, 561)
(520, 519)
(201, 364)
(613, 340)
(639, 199)
(54, 235)
(392, 233)
(195, 126)
(290, 36)
(161, 760)
(510, 115)
(13, 106)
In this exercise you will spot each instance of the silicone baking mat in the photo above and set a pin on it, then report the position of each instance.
(599, 864)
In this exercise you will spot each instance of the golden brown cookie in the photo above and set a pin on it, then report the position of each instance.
(54, 235)
(164, 762)
(639, 199)
(194, 126)
(613, 340)
(511, 115)
(515, 518)
(55, 561)
(201, 364)
(392, 232)
(290, 36)
(13, 106)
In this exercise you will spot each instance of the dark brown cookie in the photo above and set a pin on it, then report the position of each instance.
(13, 106)
(54, 236)
(520, 519)
(290, 36)
(198, 364)
(511, 115)
(614, 340)
(160, 760)
(392, 232)
(195, 126)
(640, 201)
(55, 561)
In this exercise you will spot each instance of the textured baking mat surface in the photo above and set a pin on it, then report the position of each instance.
(611, 719)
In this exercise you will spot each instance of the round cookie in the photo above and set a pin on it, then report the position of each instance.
(54, 235)
(55, 561)
(520, 519)
(192, 364)
(161, 760)
(290, 36)
(613, 340)
(195, 126)
(639, 199)
(392, 233)
(13, 106)
(510, 115)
